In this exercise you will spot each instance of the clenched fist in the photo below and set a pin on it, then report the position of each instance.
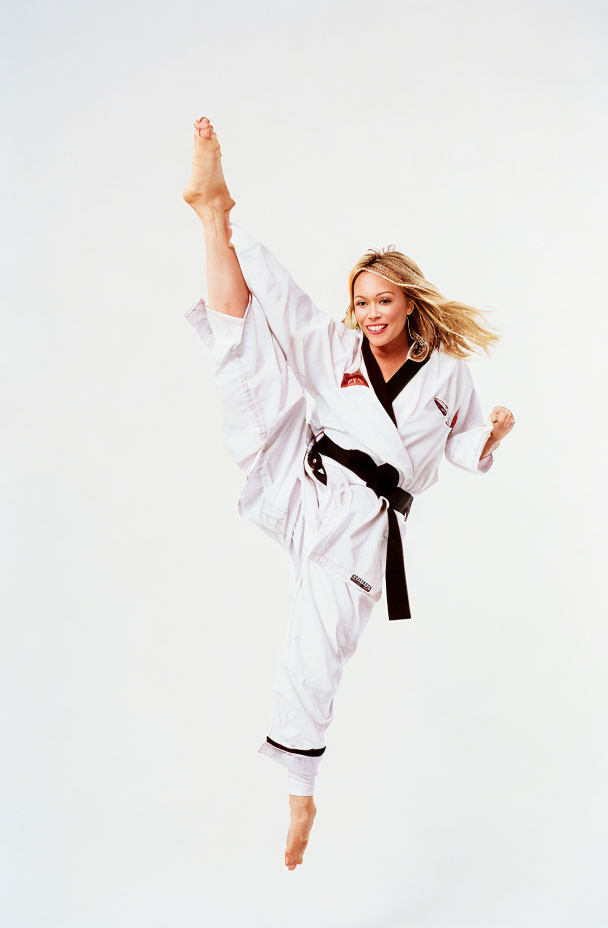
(502, 422)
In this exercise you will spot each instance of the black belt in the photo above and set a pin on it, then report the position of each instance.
(383, 479)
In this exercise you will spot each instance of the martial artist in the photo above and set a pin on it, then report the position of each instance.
(335, 491)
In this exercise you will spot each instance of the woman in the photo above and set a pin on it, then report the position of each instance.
(392, 393)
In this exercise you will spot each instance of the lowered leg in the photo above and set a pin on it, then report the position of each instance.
(329, 616)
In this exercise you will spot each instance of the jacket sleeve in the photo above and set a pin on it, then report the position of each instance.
(317, 348)
(470, 431)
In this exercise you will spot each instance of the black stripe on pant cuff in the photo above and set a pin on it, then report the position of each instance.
(312, 752)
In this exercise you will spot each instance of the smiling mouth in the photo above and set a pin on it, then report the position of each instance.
(375, 329)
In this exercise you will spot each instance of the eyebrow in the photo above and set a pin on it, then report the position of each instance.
(360, 295)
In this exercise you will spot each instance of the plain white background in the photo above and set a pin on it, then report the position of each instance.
(464, 781)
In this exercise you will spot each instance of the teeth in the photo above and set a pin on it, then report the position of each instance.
(376, 328)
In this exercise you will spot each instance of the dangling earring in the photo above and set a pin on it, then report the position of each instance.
(416, 337)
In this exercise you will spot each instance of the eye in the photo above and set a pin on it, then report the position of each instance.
(384, 299)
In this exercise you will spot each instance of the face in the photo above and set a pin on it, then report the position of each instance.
(381, 309)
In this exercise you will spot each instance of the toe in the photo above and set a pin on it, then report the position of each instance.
(202, 132)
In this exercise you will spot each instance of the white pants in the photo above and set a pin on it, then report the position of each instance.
(266, 432)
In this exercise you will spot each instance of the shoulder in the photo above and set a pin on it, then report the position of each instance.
(457, 367)
(449, 365)
(456, 372)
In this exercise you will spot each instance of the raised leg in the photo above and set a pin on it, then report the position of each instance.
(207, 193)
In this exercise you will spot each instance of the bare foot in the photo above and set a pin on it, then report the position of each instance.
(206, 190)
(303, 811)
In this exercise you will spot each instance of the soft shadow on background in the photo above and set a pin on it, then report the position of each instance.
(464, 781)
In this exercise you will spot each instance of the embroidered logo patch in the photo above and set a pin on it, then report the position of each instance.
(354, 380)
(360, 582)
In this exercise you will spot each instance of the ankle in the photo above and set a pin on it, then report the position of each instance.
(215, 218)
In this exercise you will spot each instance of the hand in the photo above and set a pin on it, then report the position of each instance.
(502, 422)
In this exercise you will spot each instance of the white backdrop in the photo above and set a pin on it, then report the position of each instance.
(464, 781)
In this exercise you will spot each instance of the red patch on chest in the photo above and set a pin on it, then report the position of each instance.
(444, 411)
(354, 380)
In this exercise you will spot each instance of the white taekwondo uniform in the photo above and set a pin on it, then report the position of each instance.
(343, 528)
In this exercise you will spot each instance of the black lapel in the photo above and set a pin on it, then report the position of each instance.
(378, 382)
(388, 390)
(403, 376)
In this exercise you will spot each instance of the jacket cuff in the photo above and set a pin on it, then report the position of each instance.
(483, 465)
(464, 449)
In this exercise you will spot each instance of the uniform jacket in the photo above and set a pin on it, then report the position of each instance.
(423, 412)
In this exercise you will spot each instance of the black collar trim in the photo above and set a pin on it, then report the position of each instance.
(388, 390)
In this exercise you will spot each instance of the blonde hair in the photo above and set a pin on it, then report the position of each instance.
(434, 320)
